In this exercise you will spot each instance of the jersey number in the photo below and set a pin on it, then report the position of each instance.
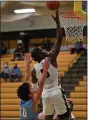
(23, 112)
(48, 75)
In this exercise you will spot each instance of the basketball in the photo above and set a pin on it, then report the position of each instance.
(52, 5)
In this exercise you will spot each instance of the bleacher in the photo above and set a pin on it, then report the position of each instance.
(10, 102)
(62, 60)
(79, 99)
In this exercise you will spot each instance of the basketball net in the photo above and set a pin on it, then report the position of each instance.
(73, 26)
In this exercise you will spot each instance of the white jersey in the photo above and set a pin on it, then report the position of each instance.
(52, 97)
(52, 77)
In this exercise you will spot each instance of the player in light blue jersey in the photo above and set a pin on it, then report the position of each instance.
(29, 102)
(26, 112)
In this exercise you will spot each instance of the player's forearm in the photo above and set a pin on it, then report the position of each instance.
(41, 84)
(59, 30)
(27, 78)
(56, 48)
(42, 81)
(58, 42)
(27, 74)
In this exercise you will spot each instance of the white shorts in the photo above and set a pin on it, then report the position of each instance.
(53, 101)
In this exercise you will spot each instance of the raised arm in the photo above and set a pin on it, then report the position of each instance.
(56, 48)
(41, 85)
(27, 59)
(34, 79)
(43, 78)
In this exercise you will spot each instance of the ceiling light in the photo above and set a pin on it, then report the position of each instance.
(31, 10)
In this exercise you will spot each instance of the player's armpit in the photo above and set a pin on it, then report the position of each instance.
(33, 74)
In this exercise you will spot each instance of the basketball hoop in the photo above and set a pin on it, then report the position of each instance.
(73, 26)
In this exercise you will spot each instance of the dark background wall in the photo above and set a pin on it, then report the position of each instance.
(34, 34)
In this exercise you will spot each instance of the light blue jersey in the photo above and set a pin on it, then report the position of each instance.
(26, 112)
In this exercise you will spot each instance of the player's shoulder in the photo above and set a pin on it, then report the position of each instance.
(35, 67)
(36, 64)
(25, 103)
(44, 60)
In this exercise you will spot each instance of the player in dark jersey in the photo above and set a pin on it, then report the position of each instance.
(52, 97)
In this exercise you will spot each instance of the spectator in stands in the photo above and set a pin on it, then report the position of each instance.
(19, 52)
(78, 48)
(15, 73)
(5, 74)
(3, 48)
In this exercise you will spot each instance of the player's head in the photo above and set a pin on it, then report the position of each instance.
(38, 54)
(25, 91)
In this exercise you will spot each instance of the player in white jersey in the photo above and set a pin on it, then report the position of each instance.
(52, 97)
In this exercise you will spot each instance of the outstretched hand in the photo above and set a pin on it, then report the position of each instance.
(56, 18)
(28, 60)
